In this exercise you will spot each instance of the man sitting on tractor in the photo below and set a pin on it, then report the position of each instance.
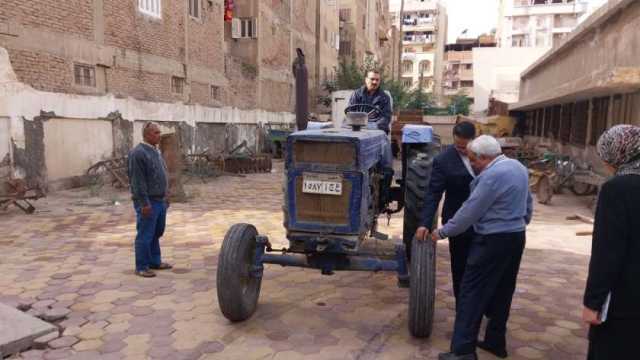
(371, 94)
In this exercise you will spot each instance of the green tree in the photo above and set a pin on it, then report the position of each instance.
(419, 100)
(350, 76)
(459, 104)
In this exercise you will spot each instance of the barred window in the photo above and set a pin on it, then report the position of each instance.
(177, 85)
(599, 118)
(565, 124)
(150, 7)
(84, 75)
(579, 123)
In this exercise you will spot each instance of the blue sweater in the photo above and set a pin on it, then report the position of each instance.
(147, 174)
(500, 201)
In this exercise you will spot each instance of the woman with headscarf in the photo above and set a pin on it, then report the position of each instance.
(612, 295)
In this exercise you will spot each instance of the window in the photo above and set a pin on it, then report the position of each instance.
(84, 75)
(599, 115)
(326, 37)
(407, 67)
(425, 66)
(565, 123)
(177, 85)
(194, 8)
(547, 122)
(150, 7)
(215, 92)
(579, 123)
(244, 28)
(364, 22)
(468, 66)
(345, 15)
(466, 83)
(345, 48)
(407, 82)
(555, 121)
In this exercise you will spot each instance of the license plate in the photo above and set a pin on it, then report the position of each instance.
(322, 184)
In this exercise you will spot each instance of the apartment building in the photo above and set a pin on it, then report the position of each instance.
(364, 26)
(458, 69)
(424, 32)
(539, 23)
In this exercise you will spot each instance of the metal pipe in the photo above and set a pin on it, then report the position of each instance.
(352, 263)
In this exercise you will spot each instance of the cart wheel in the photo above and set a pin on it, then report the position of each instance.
(422, 290)
(238, 289)
(582, 189)
(544, 190)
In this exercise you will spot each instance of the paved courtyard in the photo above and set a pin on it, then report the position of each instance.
(76, 252)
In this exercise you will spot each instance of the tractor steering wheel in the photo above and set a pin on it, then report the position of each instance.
(373, 112)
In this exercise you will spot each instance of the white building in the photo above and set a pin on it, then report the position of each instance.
(496, 73)
(424, 34)
(540, 23)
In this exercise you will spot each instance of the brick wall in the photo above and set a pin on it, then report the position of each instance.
(69, 16)
(126, 27)
(141, 85)
(206, 37)
(43, 71)
(242, 88)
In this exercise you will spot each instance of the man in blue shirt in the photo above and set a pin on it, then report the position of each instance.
(149, 184)
(372, 94)
(499, 209)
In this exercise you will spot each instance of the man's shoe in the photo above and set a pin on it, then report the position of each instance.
(146, 273)
(403, 283)
(453, 356)
(499, 352)
(162, 266)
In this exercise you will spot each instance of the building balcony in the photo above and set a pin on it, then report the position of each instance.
(562, 30)
(548, 9)
(417, 39)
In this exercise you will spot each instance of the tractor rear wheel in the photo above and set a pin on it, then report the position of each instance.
(421, 254)
(422, 288)
(237, 286)
(418, 174)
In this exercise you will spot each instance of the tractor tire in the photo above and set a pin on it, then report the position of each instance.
(422, 288)
(238, 290)
(418, 174)
(582, 189)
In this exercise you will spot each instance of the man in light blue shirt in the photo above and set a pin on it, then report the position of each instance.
(499, 209)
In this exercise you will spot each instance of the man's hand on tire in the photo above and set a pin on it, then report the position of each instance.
(422, 233)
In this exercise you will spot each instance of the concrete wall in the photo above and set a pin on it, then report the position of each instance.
(498, 70)
(5, 144)
(72, 145)
(599, 56)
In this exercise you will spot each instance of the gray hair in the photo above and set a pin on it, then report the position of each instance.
(485, 145)
(149, 125)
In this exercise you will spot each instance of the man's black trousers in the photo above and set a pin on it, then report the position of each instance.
(487, 287)
(459, 250)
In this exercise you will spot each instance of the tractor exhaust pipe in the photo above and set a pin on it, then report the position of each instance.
(301, 74)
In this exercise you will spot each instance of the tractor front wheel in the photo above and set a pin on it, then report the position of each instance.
(238, 286)
(422, 289)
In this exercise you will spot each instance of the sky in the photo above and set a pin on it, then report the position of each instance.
(477, 16)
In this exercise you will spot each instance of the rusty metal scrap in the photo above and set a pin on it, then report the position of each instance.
(115, 169)
(17, 192)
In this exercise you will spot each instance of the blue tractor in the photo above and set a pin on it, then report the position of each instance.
(338, 183)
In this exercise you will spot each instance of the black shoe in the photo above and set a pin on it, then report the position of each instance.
(403, 282)
(453, 356)
(146, 273)
(499, 352)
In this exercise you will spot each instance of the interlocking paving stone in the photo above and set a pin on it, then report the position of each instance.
(82, 259)
(19, 330)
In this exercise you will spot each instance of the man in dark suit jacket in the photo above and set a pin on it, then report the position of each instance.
(451, 175)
